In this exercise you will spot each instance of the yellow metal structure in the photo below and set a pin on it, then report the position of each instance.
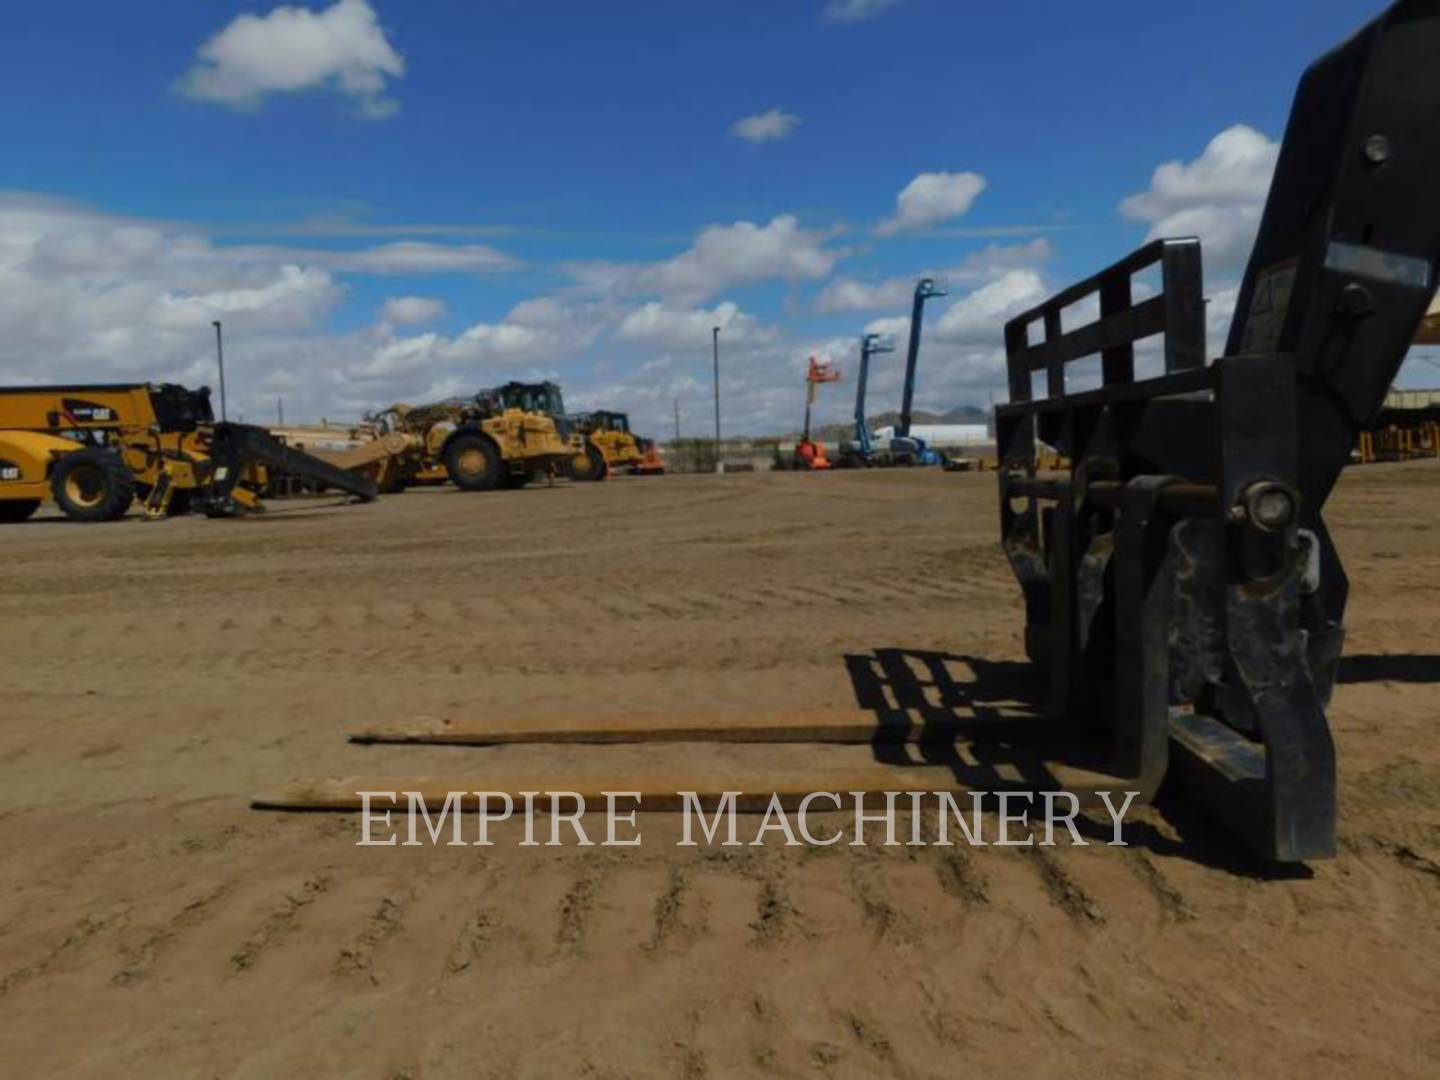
(94, 449)
(1418, 438)
(619, 448)
(384, 457)
(607, 444)
(475, 445)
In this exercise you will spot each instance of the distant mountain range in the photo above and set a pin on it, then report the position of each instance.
(961, 414)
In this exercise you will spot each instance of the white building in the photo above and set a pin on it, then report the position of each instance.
(943, 436)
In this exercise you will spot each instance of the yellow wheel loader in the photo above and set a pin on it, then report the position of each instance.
(93, 450)
(611, 445)
(545, 398)
(599, 441)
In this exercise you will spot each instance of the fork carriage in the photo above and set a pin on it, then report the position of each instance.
(1182, 594)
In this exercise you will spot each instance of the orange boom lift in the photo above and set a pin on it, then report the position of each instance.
(810, 454)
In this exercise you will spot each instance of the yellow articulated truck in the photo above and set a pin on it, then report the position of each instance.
(93, 450)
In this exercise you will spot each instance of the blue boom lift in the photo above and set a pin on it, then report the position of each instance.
(905, 449)
(860, 453)
(901, 448)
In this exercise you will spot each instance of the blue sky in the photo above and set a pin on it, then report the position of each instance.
(534, 184)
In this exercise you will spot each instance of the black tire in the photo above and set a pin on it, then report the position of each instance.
(180, 504)
(594, 467)
(396, 481)
(13, 511)
(93, 484)
(473, 463)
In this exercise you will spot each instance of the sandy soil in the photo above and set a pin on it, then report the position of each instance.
(154, 676)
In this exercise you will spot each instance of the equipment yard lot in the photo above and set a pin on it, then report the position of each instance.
(155, 676)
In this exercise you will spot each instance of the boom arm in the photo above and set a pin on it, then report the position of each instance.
(925, 288)
(818, 372)
(869, 345)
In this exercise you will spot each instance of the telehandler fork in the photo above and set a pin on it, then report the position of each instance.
(1184, 602)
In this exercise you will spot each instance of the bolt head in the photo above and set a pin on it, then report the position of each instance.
(1273, 509)
(1355, 301)
(1377, 149)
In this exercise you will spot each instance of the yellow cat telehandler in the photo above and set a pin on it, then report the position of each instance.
(93, 450)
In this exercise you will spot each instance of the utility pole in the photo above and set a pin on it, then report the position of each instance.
(280, 410)
(715, 342)
(220, 354)
(677, 419)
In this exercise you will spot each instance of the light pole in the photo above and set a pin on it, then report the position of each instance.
(715, 345)
(220, 354)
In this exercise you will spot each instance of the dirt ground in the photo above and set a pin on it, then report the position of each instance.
(155, 676)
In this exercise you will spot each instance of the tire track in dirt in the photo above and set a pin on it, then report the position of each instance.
(75, 942)
(576, 909)
(1172, 901)
(668, 917)
(282, 921)
(959, 877)
(775, 914)
(477, 936)
(1062, 887)
(867, 1034)
(357, 959)
(144, 957)
(867, 886)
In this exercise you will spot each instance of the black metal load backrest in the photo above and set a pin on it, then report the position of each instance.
(1344, 265)
(1178, 312)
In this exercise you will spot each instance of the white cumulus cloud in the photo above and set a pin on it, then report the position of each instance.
(90, 296)
(409, 310)
(738, 254)
(987, 264)
(979, 318)
(87, 296)
(679, 328)
(1218, 197)
(767, 126)
(293, 296)
(722, 256)
(341, 48)
(931, 198)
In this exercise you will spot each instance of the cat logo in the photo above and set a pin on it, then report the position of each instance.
(87, 412)
(9, 471)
